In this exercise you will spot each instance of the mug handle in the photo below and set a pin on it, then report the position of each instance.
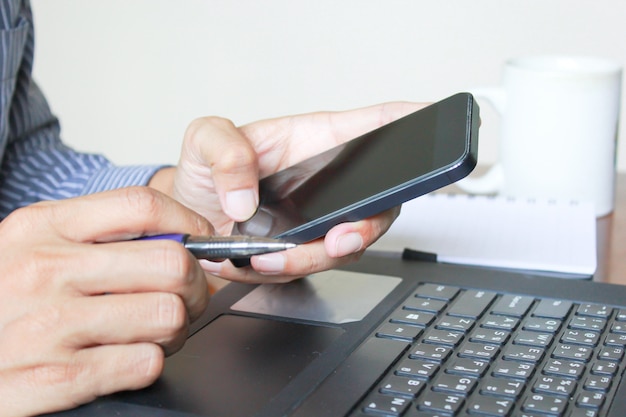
(493, 180)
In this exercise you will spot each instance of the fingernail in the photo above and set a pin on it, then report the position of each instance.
(270, 264)
(241, 204)
(349, 243)
(211, 267)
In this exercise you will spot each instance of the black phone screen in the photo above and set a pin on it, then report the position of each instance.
(366, 175)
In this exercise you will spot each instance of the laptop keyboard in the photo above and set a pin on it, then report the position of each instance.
(469, 352)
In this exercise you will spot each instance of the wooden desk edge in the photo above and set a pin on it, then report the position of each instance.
(614, 256)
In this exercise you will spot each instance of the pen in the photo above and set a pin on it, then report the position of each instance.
(225, 247)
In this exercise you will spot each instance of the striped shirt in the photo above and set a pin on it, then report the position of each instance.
(35, 165)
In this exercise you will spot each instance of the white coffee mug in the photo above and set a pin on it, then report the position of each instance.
(558, 130)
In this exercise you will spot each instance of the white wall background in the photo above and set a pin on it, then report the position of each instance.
(126, 77)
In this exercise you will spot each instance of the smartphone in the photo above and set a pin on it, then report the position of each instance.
(384, 168)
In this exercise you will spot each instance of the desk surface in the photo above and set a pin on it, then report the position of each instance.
(612, 239)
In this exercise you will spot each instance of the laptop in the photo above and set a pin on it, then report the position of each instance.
(393, 337)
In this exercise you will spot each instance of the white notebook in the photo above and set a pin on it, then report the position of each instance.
(498, 232)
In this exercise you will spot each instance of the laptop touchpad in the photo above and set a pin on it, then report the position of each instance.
(235, 365)
(332, 297)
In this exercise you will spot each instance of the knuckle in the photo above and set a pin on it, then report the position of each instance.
(44, 270)
(170, 312)
(236, 156)
(41, 323)
(198, 127)
(60, 374)
(149, 365)
(141, 200)
(203, 226)
(233, 157)
(307, 261)
(210, 120)
(50, 317)
(176, 262)
(25, 219)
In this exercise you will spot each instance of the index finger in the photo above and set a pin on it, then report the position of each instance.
(349, 124)
(302, 136)
(120, 214)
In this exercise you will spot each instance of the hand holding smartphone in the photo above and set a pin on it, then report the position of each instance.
(384, 168)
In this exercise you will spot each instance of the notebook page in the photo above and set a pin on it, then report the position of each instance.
(498, 232)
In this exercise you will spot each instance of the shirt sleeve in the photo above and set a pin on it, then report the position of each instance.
(41, 167)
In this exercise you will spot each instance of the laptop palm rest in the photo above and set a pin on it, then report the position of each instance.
(235, 365)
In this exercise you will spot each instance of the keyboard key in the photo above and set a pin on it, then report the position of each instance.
(610, 353)
(537, 339)
(500, 323)
(602, 367)
(536, 324)
(398, 331)
(385, 404)
(431, 352)
(482, 335)
(490, 406)
(424, 304)
(580, 337)
(597, 383)
(471, 303)
(554, 385)
(573, 352)
(615, 340)
(562, 367)
(594, 310)
(478, 351)
(512, 305)
(397, 385)
(442, 337)
(466, 366)
(440, 402)
(523, 353)
(414, 318)
(552, 309)
(456, 384)
(512, 369)
(439, 292)
(587, 323)
(416, 368)
(590, 399)
(546, 404)
(459, 324)
(502, 387)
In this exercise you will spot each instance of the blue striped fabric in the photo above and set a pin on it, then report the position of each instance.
(36, 165)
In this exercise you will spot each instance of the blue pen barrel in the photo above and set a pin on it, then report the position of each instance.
(177, 237)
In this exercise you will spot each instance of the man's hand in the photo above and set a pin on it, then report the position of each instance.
(84, 311)
(219, 171)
